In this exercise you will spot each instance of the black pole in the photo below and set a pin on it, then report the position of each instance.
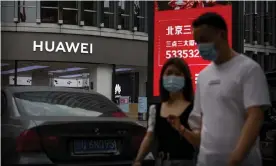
(113, 83)
(238, 26)
(149, 86)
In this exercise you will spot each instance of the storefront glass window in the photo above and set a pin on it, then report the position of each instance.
(108, 18)
(49, 11)
(7, 11)
(27, 11)
(90, 13)
(124, 13)
(33, 73)
(7, 73)
(70, 12)
(139, 15)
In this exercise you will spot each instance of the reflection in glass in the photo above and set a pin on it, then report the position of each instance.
(49, 11)
(70, 12)
(90, 15)
(108, 18)
(27, 11)
(59, 103)
(52, 73)
(70, 16)
(27, 14)
(7, 13)
(139, 15)
(69, 4)
(124, 12)
(49, 15)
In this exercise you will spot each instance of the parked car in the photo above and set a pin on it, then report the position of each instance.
(46, 125)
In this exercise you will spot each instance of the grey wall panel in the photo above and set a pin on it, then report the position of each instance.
(19, 46)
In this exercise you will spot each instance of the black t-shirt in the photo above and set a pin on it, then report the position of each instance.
(169, 140)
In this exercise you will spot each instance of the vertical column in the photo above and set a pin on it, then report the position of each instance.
(41, 78)
(38, 6)
(131, 15)
(251, 15)
(238, 26)
(51, 79)
(80, 12)
(273, 26)
(15, 18)
(101, 77)
(262, 22)
(116, 14)
(85, 81)
(100, 14)
(146, 15)
(142, 82)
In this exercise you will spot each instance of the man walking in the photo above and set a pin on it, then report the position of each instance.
(231, 97)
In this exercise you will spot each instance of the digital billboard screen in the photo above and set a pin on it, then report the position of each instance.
(173, 33)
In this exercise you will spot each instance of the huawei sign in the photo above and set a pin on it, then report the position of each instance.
(66, 47)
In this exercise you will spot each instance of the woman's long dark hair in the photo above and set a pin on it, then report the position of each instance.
(187, 90)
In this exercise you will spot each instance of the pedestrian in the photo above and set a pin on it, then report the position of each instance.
(176, 94)
(231, 97)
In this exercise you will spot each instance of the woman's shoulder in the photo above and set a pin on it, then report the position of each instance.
(188, 109)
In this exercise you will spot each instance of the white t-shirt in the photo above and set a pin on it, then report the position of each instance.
(223, 94)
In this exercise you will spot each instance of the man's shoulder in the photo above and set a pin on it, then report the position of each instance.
(206, 70)
(247, 64)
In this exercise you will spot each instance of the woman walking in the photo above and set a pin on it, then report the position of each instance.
(168, 120)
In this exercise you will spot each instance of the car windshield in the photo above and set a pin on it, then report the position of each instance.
(48, 103)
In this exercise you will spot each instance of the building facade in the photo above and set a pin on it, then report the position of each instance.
(81, 44)
(86, 44)
(260, 32)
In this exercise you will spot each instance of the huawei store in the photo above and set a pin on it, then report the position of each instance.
(75, 61)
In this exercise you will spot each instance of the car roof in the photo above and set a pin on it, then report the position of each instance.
(15, 89)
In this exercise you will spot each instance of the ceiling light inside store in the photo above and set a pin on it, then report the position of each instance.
(123, 69)
(74, 75)
(23, 69)
(4, 64)
(68, 70)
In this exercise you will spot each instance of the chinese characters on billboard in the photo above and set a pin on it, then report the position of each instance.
(173, 33)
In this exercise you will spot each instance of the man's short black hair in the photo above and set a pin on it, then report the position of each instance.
(210, 19)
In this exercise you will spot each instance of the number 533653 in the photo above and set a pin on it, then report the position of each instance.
(182, 54)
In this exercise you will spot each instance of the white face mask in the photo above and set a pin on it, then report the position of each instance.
(173, 83)
(208, 51)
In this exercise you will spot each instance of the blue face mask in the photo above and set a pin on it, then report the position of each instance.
(173, 83)
(208, 51)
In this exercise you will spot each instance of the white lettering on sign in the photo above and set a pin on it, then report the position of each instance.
(83, 48)
(179, 30)
(118, 89)
(180, 43)
(191, 53)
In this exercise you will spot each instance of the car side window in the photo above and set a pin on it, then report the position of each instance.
(3, 103)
